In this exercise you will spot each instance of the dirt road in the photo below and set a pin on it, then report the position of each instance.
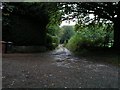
(56, 69)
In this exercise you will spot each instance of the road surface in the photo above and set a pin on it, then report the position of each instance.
(56, 69)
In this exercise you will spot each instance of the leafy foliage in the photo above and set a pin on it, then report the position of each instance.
(52, 41)
(106, 10)
(29, 23)
(53, 29)
(101, 10)
(66, 33)
(91, 37)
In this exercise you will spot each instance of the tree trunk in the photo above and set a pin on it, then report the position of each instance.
(116, 44)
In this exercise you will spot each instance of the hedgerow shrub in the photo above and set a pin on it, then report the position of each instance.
(89, 37)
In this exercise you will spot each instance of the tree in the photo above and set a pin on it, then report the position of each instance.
(67, 33)
(107, 10)
(24, 23)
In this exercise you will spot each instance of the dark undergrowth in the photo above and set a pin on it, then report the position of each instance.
(103, 55)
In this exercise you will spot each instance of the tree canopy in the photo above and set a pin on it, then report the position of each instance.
(27, 23)
(105, 10)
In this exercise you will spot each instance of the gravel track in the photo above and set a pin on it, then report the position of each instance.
(56, 69)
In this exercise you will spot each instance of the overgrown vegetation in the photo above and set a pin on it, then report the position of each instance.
(37, 24)
(53, 30)
(66, 33)
(91, 36)
(109, 11)
(31, 23)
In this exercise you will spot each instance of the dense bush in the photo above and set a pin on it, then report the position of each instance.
(66, 33)
(53, 30)
(26, 24)
(91, 37)
(52, 41)
(52, 37)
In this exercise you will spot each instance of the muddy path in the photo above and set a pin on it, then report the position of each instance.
(56, 69)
